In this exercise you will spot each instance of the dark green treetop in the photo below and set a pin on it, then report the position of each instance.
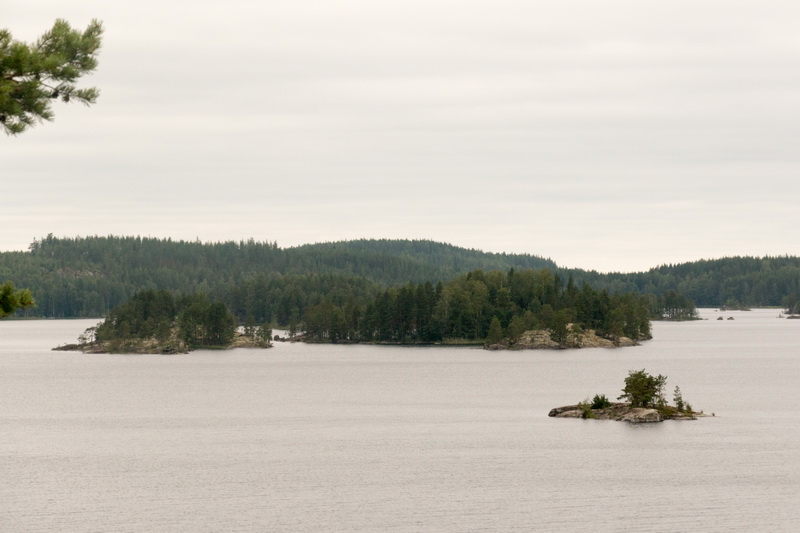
(200, 322)
(495, 333)
(644, 390)
(32, 75)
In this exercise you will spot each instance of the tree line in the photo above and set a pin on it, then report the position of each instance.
(473, 307)
(752, 281)
(89, 276)
(260, 281)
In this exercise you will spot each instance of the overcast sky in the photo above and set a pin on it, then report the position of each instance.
(614, 136)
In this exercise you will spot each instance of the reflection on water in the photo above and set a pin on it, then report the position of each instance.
(365, 438)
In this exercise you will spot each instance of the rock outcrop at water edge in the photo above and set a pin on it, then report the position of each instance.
(540, 339)
(621, 412)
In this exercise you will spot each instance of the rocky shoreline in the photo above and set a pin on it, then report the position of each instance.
(539, 339)
(154, 346)
(623, 412)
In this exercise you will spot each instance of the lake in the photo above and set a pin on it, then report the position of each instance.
(377, 438)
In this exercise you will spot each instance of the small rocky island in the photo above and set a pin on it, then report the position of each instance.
(622, 412)
(173, 344)
(646, 403)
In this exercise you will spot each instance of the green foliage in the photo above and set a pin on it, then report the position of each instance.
(144, 316)
(152, 314)
(88, 276)
(495, 333)
(600, 401)
(558, 326)
(263, 335)
(12, 299)
(586, 409)
(33, 75)
(643, 390)
(791, 303)
(678, 399)
(260, 282)
(673, 305)
(469, 308)
(88, 336)
(753, 281)
(515, 329)
(203, 323)
(732, 304)
(219, 324)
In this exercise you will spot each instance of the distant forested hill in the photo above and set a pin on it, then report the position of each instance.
(393, 262)
(88, 276)
(752, 281)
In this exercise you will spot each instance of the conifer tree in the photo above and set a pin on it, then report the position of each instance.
(12, 299)
(495, 334)
(32, 75)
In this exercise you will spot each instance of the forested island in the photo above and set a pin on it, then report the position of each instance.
(157, 322)
(501, 310)
(494, 307)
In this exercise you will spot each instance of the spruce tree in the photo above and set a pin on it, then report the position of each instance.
(495, 334)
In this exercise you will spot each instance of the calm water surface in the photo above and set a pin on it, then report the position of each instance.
(365, 438)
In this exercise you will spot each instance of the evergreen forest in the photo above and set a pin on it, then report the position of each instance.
(481, 305)
(262, 282)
